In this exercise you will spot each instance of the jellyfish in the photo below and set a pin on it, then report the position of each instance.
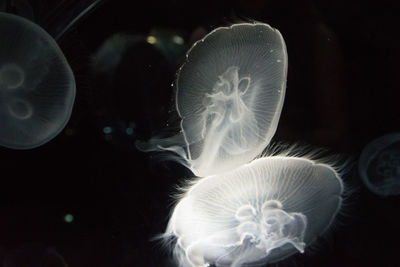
(37, 86)
(261, 212)
(244, 208)
(229, 96)
(34, 255)
(379, 165)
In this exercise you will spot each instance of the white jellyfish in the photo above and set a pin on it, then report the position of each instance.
(243, 211)
(379, 165)
(261, 212)
(229, 95)
(37, 86)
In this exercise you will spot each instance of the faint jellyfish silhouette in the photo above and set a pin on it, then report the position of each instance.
(34, 255)
(132, 105)
(261, 212)
(229, 95)
(379, 165)
(37, 86)
(112, 50)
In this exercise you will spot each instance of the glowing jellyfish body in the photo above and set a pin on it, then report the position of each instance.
(261, 212)
(229, 96)
(244, 211)
(37, 86)
(379, 165)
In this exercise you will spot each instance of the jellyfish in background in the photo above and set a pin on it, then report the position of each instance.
(229, 94)
(379, 165)
(261, 212)
(37, 86)
(242, 210)
(33, 255)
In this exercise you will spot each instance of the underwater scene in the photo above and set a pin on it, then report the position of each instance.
(199, 133)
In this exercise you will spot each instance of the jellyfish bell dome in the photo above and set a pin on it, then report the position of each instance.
(37, 86)
(379, 165)
(229, 96)
(261, 212)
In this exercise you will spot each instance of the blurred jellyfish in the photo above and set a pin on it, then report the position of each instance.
(127, 106)
(262, 212)
(229, 96)
(34, 255)
(37, 86)
(379, 165)
(111, 52)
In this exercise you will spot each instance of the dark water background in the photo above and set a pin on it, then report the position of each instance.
(342, 92)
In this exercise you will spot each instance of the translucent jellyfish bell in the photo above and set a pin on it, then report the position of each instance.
(229, 95)
(379, 165)
(260, 213)
(37, 86)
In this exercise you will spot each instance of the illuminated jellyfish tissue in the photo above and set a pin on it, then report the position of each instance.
(37, 86)
(229, 94)
(242, 209)
(261, 212)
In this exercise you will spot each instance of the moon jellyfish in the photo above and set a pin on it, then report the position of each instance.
(229, 96)
(37, 86)
(243, 211)
(379, 165)
(261, 212)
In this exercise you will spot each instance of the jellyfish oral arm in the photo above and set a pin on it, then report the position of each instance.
(229, 96)
(261, 212)
(254, 233)
(226, 121)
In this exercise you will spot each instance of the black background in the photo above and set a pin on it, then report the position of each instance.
(341, 94)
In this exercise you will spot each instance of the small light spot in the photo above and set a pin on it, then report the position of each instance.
(68, 218)
(129, 131)
(151, 39)
(107, 130)
(177, 39)
(279, 60)
(272, 50)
